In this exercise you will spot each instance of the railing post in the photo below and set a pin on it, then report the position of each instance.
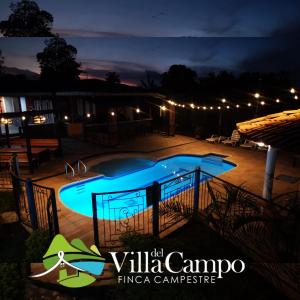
(95, 220)
(54, 212)
(155, 199)
(16, 193)
(14, 173)
(196, 189)
(31, 204)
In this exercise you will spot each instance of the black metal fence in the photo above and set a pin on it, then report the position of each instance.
(5, 177)
(151, 210)
(35, 204)
(250, 222)
(119, 212)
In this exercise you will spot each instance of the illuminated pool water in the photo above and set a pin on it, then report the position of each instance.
(77, 196)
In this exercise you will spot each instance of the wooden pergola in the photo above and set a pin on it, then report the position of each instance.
(26, 145)
(280, 131)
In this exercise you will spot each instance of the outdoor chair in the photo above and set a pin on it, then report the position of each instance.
(213, 139)
(216, 139)
(262, 148)
(233, 140)
(248, 144)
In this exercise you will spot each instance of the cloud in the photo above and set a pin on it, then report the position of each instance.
(129, 72)
(292, 29)
(275, 59)
(91, 33)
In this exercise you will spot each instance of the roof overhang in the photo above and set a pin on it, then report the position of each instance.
(280, 130)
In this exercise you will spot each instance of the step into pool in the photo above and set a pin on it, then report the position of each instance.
(78, 196)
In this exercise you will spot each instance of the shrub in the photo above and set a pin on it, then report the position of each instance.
(11, 281)
(37, 245)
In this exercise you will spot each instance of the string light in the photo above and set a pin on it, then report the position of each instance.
(172, 102)
(23, 118)
(66, 117)
(112, 113)
(88, 115)
(223, 100)
(137, 110)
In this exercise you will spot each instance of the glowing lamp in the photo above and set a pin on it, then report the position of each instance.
(39, 119)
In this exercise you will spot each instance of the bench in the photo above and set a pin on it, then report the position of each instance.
(22, 159)
(51, 144)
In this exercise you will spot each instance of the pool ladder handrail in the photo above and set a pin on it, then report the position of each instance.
(67, 167)
(79, 168)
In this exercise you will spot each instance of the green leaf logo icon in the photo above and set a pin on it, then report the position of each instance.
(75, 261)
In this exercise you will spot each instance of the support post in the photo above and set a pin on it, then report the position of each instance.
(95, 220)
(31, 204)
(269, 172)
(7, 135)
(172, 121)
(16, 183)
(155, 199)
(196, 189)
(28, 146)
(54, 212)
(113, 130)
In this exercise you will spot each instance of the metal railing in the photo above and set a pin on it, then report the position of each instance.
(36, 204)
(5, 177)
(238, 215)
(81, 168)
(120, 212)
(69, 170)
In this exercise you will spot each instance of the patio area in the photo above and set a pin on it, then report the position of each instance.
(249, 171)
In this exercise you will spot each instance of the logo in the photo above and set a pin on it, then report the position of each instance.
(75, 262)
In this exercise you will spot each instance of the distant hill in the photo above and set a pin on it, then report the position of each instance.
(15, 71)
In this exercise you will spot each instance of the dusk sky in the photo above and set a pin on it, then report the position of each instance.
(169, 18)
(236, 36)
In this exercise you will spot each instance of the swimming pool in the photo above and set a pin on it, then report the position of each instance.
(77, 196)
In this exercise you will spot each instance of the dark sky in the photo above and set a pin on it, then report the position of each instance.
(170, 18)
(233, 35)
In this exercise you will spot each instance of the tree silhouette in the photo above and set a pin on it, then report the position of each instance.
(179, 78)
(1, 61)
(58, 61)
(148, 83)
(27, 19)
(112, 78)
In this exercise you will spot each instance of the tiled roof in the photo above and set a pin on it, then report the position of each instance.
(280, 130)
